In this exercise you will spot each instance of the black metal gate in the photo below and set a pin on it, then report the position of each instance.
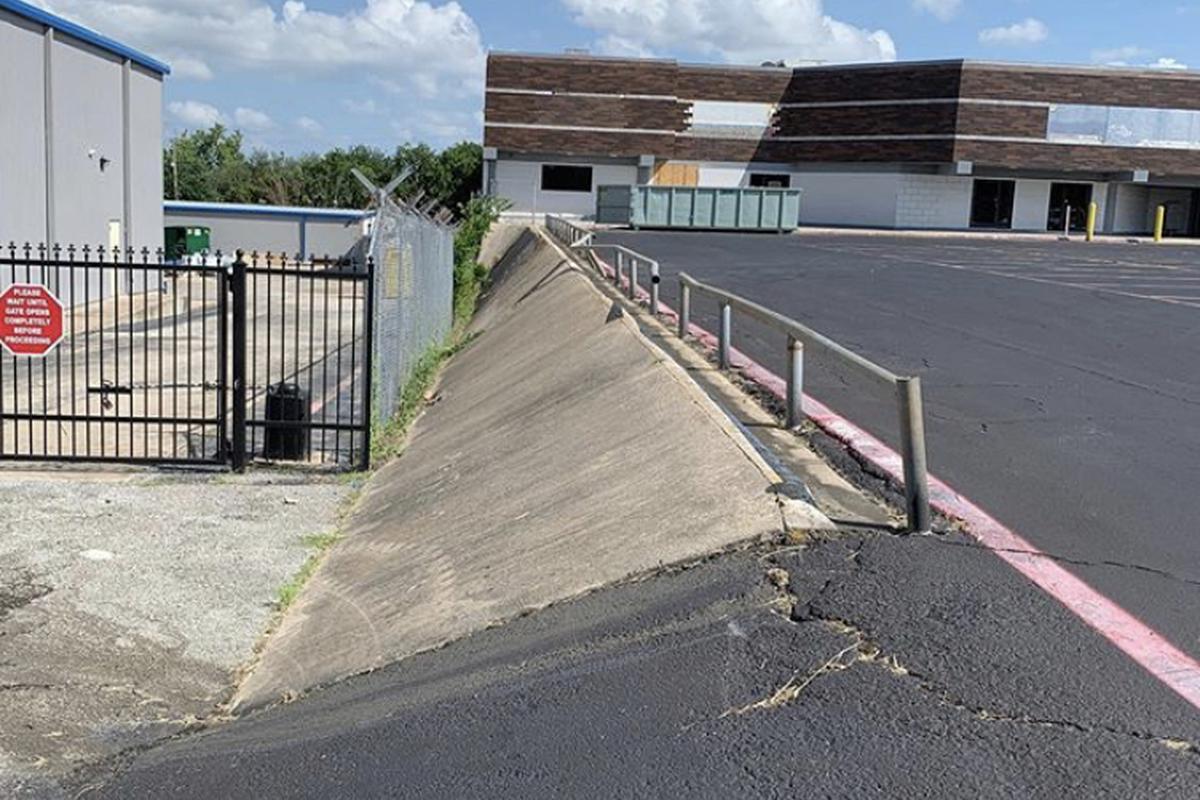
(199, 362)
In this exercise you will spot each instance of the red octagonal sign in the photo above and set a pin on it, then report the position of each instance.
(31, 320)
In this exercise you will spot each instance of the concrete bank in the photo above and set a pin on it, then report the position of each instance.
(562, 451)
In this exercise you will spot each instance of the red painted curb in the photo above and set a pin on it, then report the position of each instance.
(1170, 665)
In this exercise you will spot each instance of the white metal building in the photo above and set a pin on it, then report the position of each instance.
(80, 135)
(307, 232)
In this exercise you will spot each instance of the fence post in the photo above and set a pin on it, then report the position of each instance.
(685, 308)
(795, 384)
(368, 365)
(633, 276)
(726, 335)
(237, 289)
(912, 447)
(654, 281)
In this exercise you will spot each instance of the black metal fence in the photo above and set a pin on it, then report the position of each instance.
(205, 361)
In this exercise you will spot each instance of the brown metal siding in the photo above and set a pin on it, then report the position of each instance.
(578, 143)
(899, 82)
(732, 84)
(596, 112)
(1052, 85)
(1023, 121)
(920, 151)
(604, 76)
(868, 120)
(1079, 158)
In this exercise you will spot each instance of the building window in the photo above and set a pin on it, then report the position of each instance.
(1065, 198)
(992, 204)
(566, 178)
(1124, 126)
(770, 180)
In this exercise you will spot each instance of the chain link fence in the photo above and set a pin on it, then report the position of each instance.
(414, 297)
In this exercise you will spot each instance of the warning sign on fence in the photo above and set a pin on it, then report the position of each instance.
(31, 320)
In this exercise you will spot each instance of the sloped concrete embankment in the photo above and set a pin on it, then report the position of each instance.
(563, 451)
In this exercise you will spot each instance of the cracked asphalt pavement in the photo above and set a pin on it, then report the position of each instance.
(1058, 389)
(857, 665)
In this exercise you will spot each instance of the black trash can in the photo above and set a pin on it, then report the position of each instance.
(286, 402)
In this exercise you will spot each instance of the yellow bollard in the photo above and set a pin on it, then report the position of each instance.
(1160, 222)
(1091, 221)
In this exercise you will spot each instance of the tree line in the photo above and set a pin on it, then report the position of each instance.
(213, 166)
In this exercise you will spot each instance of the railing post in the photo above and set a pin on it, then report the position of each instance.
(654, 281)
(237, 290)
(685, 308)
(620, 262)
(633, 278)
(912, 447)
(795, 382)
(723, 346)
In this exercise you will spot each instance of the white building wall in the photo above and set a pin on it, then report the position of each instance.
(847, 198)
(88, 127)
(145, 166)
(22, 132)
(520, 182)
(933, 201)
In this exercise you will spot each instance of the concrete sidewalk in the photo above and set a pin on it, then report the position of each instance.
(562, 452)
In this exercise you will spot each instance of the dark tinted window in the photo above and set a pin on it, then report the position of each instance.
(565, 178)
(992, 204)
(770, 180)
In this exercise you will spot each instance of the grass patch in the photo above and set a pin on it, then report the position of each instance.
(319, 544)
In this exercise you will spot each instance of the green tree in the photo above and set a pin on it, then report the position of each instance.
(211, 165)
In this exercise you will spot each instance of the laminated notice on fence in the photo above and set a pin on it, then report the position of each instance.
(407, 266)
(391, 272)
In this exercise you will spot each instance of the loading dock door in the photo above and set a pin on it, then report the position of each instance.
(1076, 197)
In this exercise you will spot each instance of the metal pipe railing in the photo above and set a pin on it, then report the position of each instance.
(907, 389)
(577, 237)
(568, 232)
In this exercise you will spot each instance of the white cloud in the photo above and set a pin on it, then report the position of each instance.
(942, 9)
(423, 40)
(739, 31)
(1168, 63)
(193, 68)
(1027, 31)
(1119, 56)
(1133, 56)
(251, 119)
(195, 114)
(309, 126)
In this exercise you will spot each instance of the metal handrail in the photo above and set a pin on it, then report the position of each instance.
(577, 237)
(568, 232)
(907, 388)
(634, 259)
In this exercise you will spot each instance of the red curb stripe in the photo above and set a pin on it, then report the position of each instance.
(1170, 665)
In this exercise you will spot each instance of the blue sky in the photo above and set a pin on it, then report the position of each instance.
(299, 76)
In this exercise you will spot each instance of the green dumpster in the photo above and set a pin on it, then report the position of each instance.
(181, 240)
(699, 207)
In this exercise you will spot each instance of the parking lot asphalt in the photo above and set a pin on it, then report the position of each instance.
(1060, 382)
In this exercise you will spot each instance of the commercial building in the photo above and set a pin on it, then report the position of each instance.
(80, 135)
(939, 145)
(307, 232)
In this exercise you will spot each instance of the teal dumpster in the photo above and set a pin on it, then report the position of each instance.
(699, 207)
